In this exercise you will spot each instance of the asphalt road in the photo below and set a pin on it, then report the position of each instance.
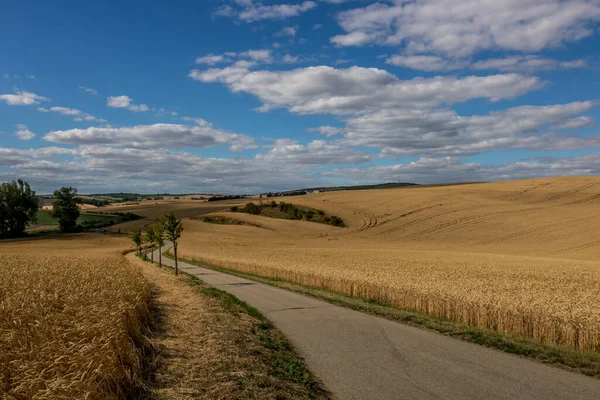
(359, 356)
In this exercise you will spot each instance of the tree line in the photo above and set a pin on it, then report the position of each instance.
(19, 205)
(167, 227)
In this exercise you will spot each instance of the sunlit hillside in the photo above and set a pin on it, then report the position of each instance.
(519, 256)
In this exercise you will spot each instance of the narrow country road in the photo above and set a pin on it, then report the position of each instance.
(359, 356)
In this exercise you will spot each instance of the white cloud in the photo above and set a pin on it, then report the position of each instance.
(445, 133)
(327, 130)
(526, 63)
(356, 38)
(244, 59)
(575, 123)
(289, 59)
(210, 59)
(43, 109)
(426, 62)
(251, 12)
(154, 168)
(288, 31)
(325, 89)
(89, 90)
(317, 152)
(453, 169)
(125, 102)
(317, 26)
(153, 136)
(23, 133)
(21, 98)
(77, 115)
(288, 167)
(262, 56)
(460, 28)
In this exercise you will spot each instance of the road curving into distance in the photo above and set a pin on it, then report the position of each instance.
(360, 356)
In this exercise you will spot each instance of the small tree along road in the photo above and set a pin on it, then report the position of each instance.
(150, 238)
(159, 237)
(136, 237)
(66, 208)
(18, 207)
(173, 229)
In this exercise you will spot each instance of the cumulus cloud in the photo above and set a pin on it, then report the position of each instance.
(289, 59)
(23, 133)
(210, 59)
(21, 98)
(88, 90)
(453, 169)
(460, 28)
(146, 170)
(426, 62)
(324, 89)
(526, 63)
(317, 152)
(249, 11)
(153, 136)
(245, 59)
(125, 102)
(288, 31)
(327, 130)
(151, 169)
(575, 123)
(77, 115)
(445, 133)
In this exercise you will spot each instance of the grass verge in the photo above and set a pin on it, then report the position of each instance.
(286, 371)
(586, 363)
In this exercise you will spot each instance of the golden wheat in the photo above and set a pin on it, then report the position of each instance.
(71, 319)
(515, 257)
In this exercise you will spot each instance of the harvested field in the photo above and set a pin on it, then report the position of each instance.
(152, 210)
(72, 318)
(517, 257)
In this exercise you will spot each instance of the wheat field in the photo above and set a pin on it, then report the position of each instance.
(518, 257)
(72, 318)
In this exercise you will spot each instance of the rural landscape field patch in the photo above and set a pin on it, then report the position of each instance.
(517, 257)
(72, 317)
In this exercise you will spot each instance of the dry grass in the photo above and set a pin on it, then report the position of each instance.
(516, 257)
(72, 316)
(208, 351)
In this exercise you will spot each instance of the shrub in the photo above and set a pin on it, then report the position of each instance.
(234, 209)
(336, 221)
(285, 207)
(252, 208)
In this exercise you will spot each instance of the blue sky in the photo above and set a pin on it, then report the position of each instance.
(251, 96)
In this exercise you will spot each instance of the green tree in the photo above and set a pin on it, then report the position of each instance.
(173, 229)
(159, 237)
(66, 208)
(18, 207)
(151, 240)
(136, 237)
